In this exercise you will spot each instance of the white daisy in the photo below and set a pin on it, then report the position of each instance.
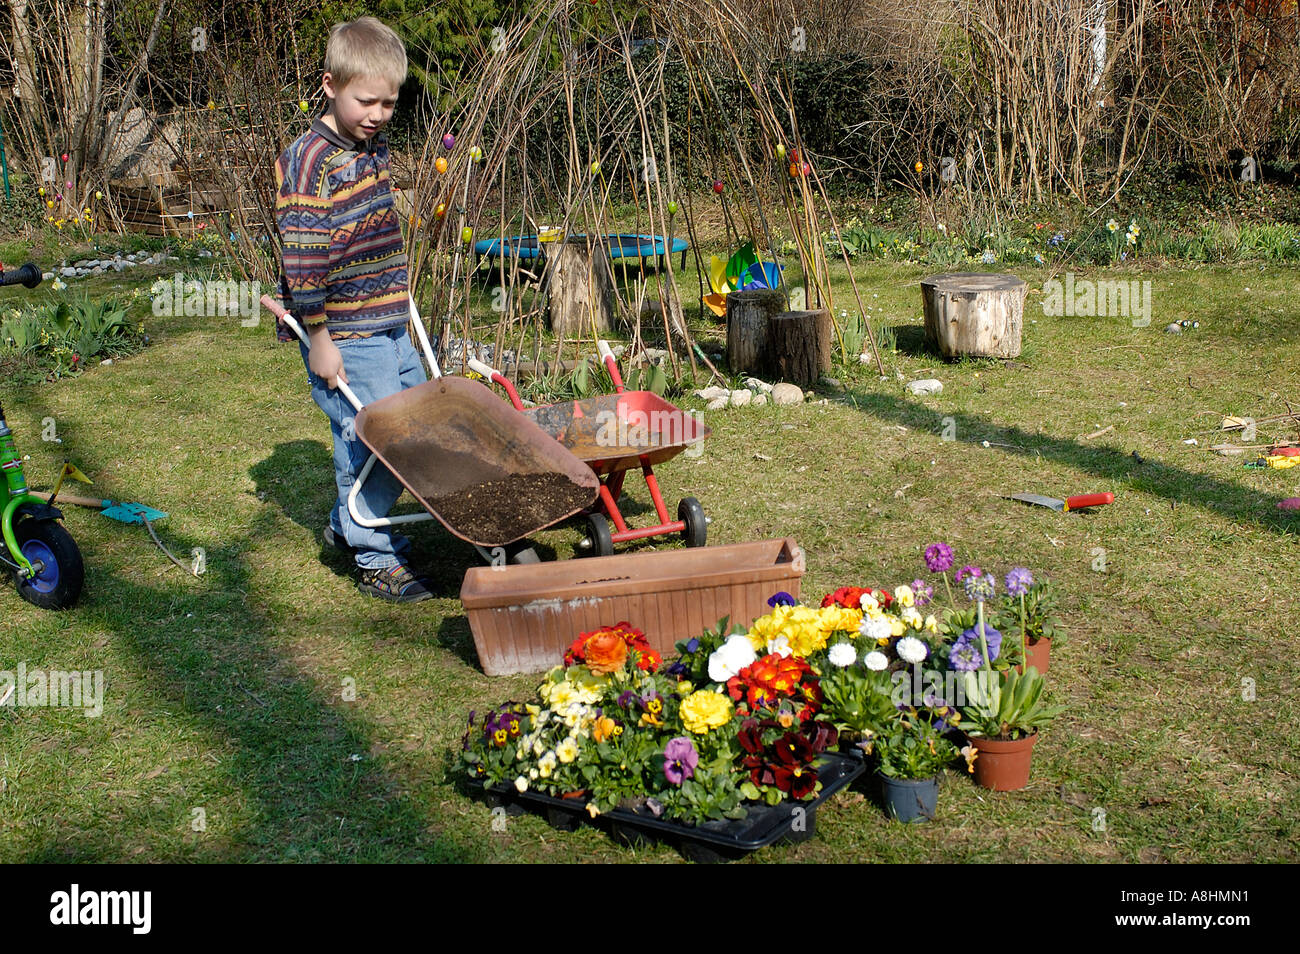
(842, 655)
(911, 650)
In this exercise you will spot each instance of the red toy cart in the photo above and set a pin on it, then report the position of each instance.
(612, 434)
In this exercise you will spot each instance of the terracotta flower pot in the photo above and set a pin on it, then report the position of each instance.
(1039, 653)
(1003, 766)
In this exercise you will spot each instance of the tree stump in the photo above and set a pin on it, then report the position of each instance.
(974, 313)
(580, 287)
(799, 346)
(748, 316)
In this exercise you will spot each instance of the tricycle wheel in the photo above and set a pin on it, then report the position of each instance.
(602, 544)
(58, 584)
(697, 528)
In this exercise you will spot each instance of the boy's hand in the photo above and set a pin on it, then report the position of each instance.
(324, 357)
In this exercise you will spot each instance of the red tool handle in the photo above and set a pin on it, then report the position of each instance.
(1089, 500)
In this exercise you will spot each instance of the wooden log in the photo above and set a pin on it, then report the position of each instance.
(974, 313)
(748, 316)
(799, 346)
(580, 287)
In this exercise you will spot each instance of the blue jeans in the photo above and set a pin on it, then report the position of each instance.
(376, 367)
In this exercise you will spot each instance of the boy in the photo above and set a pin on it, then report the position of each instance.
(345, 278)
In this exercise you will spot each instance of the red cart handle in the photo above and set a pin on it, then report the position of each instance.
(1088, 500)
(496, 377)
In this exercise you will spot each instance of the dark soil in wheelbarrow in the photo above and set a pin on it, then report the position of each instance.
(499, 511)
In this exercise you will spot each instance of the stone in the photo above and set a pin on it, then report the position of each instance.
(758, 400)
(46, 276)
(71, 272)
(713, 393)
(741, 397)
(832, 383)
(1173, 328)
(754, 384)
(926, 386)
(717, 404)
(786, 394)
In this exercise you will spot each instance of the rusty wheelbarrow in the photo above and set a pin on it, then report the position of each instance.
(612, 434)
(489, 475)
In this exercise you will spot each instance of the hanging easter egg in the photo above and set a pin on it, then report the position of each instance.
(440, 164)
(806, 168)
(49, 203)
(794, 155)
(672, 207)
(99, 195)
(794, 170)
(304, 105)
(476, 154)
(780, 150)
(467, 235)
(448, 141)
(440, 210)
(595, 168)
(718, 186)
(212, 104)
(919, 166)
(65, 157)
(41, 191)
(67, 185)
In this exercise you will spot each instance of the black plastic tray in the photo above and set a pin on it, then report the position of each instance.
(714, 841)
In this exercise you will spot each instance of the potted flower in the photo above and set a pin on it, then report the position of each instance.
(1002, 710)
(912, 753)
(1031, 607)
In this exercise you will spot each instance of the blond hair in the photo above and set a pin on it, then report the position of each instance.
(364, 48)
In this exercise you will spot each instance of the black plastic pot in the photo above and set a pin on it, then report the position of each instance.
(908, 799)
(711, 842)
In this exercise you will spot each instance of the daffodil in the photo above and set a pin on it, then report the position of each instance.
(1112, 226)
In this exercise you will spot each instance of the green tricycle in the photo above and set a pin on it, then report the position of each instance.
(43, 556)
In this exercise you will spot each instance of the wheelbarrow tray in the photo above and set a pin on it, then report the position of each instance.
(487, 473)
(616, 431)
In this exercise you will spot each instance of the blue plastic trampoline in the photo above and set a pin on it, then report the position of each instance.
(621, 246)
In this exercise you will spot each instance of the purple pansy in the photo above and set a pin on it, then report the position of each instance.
(680, 759)
(781, 599)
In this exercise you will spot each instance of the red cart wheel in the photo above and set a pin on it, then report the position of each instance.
(697, 527)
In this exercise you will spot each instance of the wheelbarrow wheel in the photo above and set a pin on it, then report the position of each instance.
(59, 583)
(697, 527)
(601, 543)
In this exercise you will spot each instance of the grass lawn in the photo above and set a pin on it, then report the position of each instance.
(224, 698)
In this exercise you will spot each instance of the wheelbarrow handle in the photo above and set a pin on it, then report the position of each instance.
(274, 307)
(611, 364)
(496, 377)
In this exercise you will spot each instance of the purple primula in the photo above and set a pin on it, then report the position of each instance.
(781, 599)
(680, 759)
(923, 592)
(1018, 581)
(980, 587)
(968, 570)
(938, 557)
(965, 655)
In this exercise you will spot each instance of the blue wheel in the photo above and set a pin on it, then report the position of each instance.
(61, 573)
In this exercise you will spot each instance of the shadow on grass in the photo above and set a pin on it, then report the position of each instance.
(298, 478)
(296, 761)
(1149, 476)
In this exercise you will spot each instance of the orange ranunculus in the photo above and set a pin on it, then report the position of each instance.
(603, 728)
(606, 652)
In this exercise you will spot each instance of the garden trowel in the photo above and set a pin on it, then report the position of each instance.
(1077, 502)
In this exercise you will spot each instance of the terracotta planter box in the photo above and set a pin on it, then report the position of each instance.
(524, 616)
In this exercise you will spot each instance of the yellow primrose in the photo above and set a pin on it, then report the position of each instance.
(704, 710)
(897, 627)
(931, 623)
(912, 617)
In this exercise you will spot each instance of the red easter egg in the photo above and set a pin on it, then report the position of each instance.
(718, 186)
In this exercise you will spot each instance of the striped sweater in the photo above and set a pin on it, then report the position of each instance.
(343, 254)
